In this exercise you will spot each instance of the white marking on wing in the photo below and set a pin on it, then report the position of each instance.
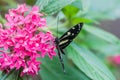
(68, 33)
(62, 42)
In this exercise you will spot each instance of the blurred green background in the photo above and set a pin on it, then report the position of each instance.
(92, 55)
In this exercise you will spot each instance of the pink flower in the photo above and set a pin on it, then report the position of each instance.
(115, 59)
(22, 43)
(32, 67)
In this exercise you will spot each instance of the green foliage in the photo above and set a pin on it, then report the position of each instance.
(101, 41)
(49, 71)
(52, 6)
(101, 9)
(5, 5)
(82, 59)
(102, 34)
(31, 2)
(89, 63)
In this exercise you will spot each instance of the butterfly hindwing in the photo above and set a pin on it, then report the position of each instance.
(68, 37)
(60, 58)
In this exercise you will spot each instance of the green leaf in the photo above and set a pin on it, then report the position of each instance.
(3, 77)
(89, 63)
(2, 20)
(85, 4)
(52, 6)
(52, 70)
(97, 9)
(99, 45)
(106, 36)
(77, 4)
(70, 11)
(31, 2)
(42, 3)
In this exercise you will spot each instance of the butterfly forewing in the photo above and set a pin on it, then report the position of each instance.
(67, 38)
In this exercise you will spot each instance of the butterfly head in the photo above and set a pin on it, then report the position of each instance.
(57, 41)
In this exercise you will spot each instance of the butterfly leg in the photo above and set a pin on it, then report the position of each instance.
(62, 51)
(60, 58)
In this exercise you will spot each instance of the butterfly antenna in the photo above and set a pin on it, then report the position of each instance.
(57, 25)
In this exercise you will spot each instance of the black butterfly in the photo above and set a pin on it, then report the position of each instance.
(66, 39)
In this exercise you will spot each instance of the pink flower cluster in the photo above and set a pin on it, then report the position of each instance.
(22, 43)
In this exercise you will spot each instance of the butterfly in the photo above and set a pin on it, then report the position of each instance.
(65, 40)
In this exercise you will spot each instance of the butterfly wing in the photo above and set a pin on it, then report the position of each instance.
(68, 37)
